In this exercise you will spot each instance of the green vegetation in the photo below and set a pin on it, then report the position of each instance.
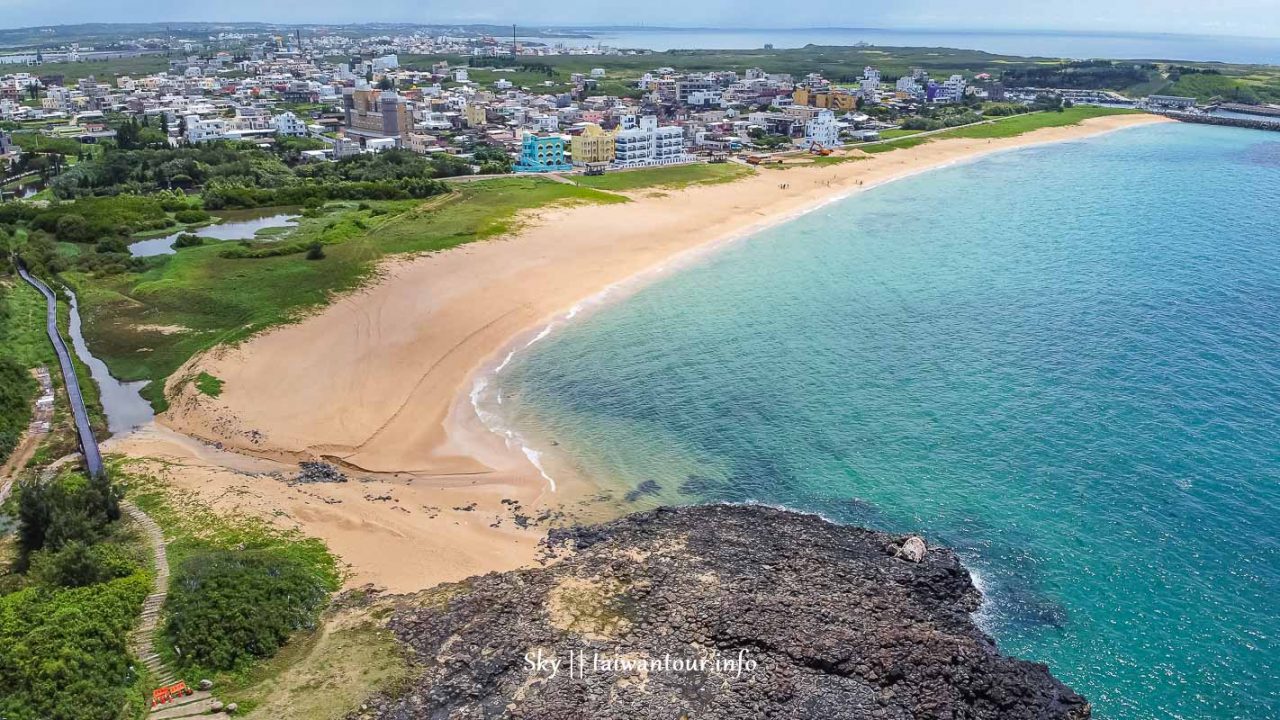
(17, 388)
(1081, 75)
(1261, 85)
(244, 175)
(327, 673)
(675, 176)
(80, 576)
(208, 384)
(1205, 81)
(1002, 127)
(230, 607)
(241, 586)
(63, 652)
(218, 296)
(1020, 124)
(105, 70)
(22, 346)
(62, 518)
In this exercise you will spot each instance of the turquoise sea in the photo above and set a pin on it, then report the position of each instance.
(1062, 361)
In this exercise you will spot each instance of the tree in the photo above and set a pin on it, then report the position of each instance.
(64, 510)
(72, 227)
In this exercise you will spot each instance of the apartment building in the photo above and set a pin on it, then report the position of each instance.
(642, 143)
(375, 114)
(822, 130)
(542, 153)
(593, 145)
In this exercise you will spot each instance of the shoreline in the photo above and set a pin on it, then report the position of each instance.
(355, 391)
(485, 373)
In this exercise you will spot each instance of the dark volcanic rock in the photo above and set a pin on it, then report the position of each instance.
(722, 612)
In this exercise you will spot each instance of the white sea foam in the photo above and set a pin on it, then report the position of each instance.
(982, 616)
(535, 457)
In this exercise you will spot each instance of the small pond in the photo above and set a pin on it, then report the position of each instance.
(235, 225)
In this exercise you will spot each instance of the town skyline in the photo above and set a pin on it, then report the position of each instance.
(1243, 18)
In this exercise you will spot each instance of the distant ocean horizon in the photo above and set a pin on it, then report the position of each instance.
(1075, 45)
(1062, 361)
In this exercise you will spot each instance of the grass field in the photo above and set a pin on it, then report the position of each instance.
(1009, 126)
(895, 133)
(209, 299)
(675, 176)
(105, 70)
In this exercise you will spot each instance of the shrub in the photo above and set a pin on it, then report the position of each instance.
(63, 651)
(186, 240)
(77, 564)
(190, 216)
(72, 227)
(227, 608)
(315, 251)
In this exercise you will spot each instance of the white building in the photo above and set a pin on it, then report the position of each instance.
(289, 124)
(869, 85)
(909, 85)
(822, 130)
(950, 91)
(460, 75)
(643, 143)
(199, 130)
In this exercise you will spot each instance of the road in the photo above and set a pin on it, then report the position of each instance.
(88, 443)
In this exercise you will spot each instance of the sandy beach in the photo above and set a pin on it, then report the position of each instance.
(380, 382)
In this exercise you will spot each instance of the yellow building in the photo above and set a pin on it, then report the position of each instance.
(834, 100)
(475, 115)
(594, 145)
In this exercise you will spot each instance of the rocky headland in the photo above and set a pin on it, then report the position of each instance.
(717, 612)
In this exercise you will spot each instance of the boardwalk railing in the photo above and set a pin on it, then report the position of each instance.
(88, 443)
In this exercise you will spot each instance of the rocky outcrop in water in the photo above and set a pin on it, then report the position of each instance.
(718, 612)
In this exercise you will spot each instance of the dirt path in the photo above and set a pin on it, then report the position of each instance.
(41, 419)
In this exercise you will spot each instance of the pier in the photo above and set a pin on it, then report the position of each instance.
(1250, 109)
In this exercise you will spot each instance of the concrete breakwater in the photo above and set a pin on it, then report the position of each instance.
(1220, 120)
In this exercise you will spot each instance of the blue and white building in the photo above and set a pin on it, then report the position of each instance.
(542, 153)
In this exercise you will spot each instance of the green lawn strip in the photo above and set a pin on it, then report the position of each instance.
(1013, 125)
(1008, 126)
(673, 177)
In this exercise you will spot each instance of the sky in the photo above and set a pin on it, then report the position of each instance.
(1259, 18)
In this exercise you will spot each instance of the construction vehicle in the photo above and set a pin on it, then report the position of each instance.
(818, 149)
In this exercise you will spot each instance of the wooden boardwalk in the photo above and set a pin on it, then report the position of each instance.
(142, 642)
